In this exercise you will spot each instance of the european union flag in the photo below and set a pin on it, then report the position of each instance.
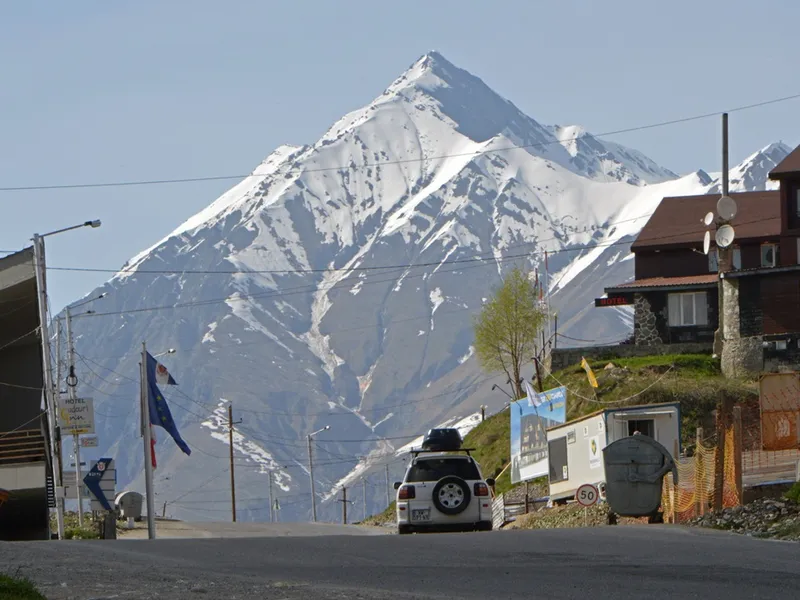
(159, 410)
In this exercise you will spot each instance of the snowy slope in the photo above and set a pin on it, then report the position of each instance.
(335, 286)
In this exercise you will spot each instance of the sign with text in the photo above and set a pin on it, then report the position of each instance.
(102, 482)
(530, 418)
(90, 441)
(614, 301)
(76, 416)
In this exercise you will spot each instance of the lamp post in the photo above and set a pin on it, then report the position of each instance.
(50, 391)
(311, 473)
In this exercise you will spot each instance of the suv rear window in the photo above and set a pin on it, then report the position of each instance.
(433, 469)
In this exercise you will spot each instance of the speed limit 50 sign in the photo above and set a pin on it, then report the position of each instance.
(587, 495)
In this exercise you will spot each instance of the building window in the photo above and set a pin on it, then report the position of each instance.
(688, 309)
(736, 258)
(769, 255)
(713, 260)
(797, 201)
(643, 426)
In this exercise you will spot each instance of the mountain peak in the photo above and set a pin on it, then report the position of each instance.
(430, 71)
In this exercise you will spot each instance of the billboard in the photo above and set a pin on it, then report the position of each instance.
(530, 419)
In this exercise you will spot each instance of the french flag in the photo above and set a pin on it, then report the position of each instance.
(153, 446)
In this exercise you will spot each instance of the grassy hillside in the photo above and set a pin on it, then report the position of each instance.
(693, 380)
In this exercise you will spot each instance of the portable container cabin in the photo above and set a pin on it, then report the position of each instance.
(575, 448)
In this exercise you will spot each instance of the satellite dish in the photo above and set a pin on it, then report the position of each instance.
(707, 242)
(708, 219)
(724, 237)
(726, 208)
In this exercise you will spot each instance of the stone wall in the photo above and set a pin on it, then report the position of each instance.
(742, 356)
(566, 357)
(645, 322)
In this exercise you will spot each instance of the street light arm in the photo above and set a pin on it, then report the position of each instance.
(96, 223)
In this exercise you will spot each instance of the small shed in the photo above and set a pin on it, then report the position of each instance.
(575, 448)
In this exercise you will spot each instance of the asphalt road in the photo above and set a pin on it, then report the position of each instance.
(608, 562)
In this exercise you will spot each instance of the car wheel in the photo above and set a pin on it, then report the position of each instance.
(403, 529)
(451, 495)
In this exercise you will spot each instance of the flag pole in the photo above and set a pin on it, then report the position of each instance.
(148, 465)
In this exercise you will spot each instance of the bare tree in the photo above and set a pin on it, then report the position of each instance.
(508, 326)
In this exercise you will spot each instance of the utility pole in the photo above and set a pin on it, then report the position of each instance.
(344, 505)
(49, 388)
(311, 472)
(271, 499)
(61, 501)
(233, 476)
(311, 476)
(147, 438)
(388, 498)
(72, 382)
(723, 254)
(164, 511)
(364, 498)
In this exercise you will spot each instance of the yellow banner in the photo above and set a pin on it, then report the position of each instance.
(589, 373)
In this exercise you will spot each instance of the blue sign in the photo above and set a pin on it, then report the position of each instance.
(530, 419)
(93, 479)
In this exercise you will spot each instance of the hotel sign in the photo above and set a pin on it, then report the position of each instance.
(614, 301)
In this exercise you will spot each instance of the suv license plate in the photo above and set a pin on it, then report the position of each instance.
(421, 514)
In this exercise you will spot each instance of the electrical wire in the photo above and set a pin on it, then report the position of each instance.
(353, 167)
(313, 289)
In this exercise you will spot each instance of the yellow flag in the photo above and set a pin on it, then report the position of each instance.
(589, 373)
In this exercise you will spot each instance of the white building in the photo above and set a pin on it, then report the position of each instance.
(575, 449)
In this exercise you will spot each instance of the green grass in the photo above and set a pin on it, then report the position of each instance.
(387, 516)
(14, 588)
(695, 381)
(490, 440)
(794, 493)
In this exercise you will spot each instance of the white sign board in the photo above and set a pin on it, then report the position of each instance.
(587, 495)
(70, 488)
(105, 483)
(76, 415)
(89, 441)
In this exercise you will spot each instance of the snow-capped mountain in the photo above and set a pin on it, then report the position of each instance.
(336, 286)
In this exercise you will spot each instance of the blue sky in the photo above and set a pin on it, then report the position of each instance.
(109, 91)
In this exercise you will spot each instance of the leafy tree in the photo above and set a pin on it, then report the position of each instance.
(508, 326)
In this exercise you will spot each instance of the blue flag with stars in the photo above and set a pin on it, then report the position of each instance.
(159, 410)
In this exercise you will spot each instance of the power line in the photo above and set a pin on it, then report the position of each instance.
(397, 267)
(354, 167)
(345, 283)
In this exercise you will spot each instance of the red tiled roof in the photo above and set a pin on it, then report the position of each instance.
(678, 221)
(790, 164)
(660, 282)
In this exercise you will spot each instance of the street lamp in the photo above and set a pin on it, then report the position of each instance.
(170, 351)
(311, 473)
(50, 391)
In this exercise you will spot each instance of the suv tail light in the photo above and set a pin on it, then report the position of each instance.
(481, 489)
(407, 492)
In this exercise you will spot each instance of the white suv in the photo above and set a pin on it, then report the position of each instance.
(443, 491)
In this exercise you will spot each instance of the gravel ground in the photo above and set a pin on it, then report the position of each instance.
(623, 563)
(765, 518)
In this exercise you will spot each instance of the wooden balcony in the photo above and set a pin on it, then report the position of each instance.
(22, 447)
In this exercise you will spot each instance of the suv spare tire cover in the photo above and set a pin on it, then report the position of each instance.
(458, 482)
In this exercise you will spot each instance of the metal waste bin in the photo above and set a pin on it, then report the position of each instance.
(635, 468)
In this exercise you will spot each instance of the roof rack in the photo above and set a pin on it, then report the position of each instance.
(417, 452)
